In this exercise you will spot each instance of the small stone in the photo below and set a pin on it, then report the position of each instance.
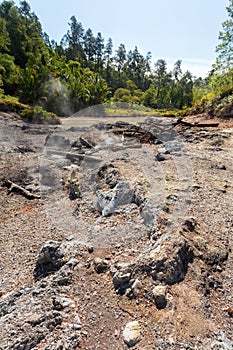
(230, 311)
(90, 250)
(132, 333)
(159, 294)
(101, 265)
(121, 278)
(161, 157)
(136, 287)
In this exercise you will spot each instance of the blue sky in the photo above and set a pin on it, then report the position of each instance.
(170, 29)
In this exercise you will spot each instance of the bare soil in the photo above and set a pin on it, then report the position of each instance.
(194, 202)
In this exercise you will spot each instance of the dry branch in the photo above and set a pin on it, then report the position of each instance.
(12, 187)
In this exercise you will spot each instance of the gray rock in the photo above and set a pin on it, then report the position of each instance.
(149, 212)
(49, 259)
(222, 344)
(161, 157)
(167, 263)
(33, 316)
(110, 174)
(121, 280)
(109, 201)
(101, 265)
(159, 294)
(55, 256)
(136, 287)
(171, 147)
(57, 142)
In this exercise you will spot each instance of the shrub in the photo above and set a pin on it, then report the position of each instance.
(39, 116)
(11, 104)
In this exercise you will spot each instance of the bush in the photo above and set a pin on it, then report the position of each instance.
(39, 116)
(216, 104)
(11, 104)
(32, 114)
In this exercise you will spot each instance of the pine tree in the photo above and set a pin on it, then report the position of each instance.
(89, 46)
(74, 40)
(225, 47)
(99, 53)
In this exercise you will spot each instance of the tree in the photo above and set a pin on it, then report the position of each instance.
(4, 36)
(9, 74)
(108, 59)
(120, 57)
(177, 72)
(24, 30)
(149, 97)
(185, 97)
(122, 95)
(89, 46)
(162, 83)
(99, 52)
(137, 68)
(74, 40)
(225, 48)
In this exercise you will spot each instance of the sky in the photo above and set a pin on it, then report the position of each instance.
(169, 29)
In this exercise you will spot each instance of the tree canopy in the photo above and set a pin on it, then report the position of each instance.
(84, 69)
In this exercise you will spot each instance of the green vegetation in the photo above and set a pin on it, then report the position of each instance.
(40, 116)
(31, 114)
(82, 70)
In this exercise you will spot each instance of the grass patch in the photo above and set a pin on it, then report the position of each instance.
(133, 110)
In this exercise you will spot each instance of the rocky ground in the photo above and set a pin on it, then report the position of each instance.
(116, 237)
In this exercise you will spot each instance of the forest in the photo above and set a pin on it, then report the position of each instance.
(84, 69)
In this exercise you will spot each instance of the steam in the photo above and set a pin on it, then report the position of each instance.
(56, 98)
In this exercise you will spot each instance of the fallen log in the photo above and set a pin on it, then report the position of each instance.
(207, 125)
(196, 124)
(12, 187)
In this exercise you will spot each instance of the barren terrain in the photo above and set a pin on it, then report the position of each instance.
(118, 212)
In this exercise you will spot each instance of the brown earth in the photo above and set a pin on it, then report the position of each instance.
(172, 227)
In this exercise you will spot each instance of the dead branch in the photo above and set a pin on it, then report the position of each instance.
(12, 187)
(85, 143)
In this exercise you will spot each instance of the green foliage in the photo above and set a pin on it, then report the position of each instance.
(214, 95)
(73, 40)
(82, 70)
(130, 94)
(9, 73)
(122, 95)
(215, 104)
(149, 97)
(22, 30)
(4, 36)
(11, 104)
(169, 89)
(32, 78)
(224, 60)
(39, 116)
(32, 114)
